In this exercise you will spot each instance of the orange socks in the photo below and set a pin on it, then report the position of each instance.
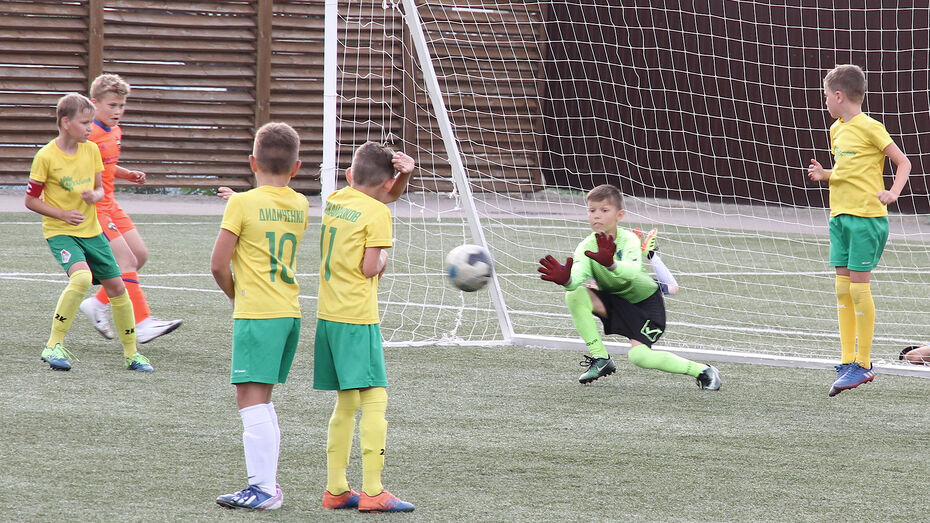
(140, 306)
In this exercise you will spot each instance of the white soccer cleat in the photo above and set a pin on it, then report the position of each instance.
(151, 328)
(97, 313)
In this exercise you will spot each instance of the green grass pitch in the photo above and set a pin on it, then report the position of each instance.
(477, 433)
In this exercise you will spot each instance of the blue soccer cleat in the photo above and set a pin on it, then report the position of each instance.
(57, 357)
(139, 363)
(854, 376)
(253, 498)
(840, 371)
(383, 502)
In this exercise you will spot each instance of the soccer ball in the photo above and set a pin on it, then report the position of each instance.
(469, 267)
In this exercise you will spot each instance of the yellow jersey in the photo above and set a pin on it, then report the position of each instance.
(858, 148)
(352, 221)
(270, 223)
(65, 177)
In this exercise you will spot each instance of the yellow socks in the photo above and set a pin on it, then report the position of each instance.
(372, 429)
(124, 322)
(68, 303)
(865, 321)
(140, 305)
(339, 440)
(846, 314)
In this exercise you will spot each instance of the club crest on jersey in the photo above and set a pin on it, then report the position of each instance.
(65, 256)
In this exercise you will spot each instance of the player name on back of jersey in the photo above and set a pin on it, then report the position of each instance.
(337, 211)
(281, 215)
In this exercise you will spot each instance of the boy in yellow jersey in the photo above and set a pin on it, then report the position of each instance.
(348, 355)
(109, 93)
(64, 185)
(260, 235)
(858, 215)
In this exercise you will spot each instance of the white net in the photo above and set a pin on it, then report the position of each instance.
(706, 117)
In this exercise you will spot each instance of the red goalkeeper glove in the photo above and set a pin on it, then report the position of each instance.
(554, 271)
(606, 248)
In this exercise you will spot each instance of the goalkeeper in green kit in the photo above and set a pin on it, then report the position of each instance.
(622, 295)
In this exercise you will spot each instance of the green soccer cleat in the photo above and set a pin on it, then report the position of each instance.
(597, 368)
(709, 378)
(57, 357)
(139, 363)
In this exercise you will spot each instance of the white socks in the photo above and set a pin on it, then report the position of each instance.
(261, 440)
(663, 275)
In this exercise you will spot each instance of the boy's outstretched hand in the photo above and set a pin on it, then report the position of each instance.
(606, 248)
(552, 270)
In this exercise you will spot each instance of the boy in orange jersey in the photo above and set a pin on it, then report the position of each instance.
(858, 215)
(64, 185)
(108, 93)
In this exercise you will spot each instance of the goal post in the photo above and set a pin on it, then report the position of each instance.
(704, 116)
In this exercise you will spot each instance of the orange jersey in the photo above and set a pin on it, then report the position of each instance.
(108, 140)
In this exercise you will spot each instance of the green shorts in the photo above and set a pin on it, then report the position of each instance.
(96, 251)
(348, 356)
(856, 242)
(263, 350)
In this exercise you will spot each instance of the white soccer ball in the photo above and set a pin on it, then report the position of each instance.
(469, 267)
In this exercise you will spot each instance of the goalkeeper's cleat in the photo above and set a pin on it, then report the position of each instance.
(97, 313)
(597, 368)
(57, 357)
(151, 328)
(383, 502)
(649, 241)
(856, 375)
(348, 499)
(709, 378)
(253, 498)
(140, 363)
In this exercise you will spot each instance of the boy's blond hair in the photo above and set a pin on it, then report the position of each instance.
(849, 79)
(607, 193)
(276, 148)
(372, 164)
(108, 83)
(70, 105)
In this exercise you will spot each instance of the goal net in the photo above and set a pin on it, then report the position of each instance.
(705, 116)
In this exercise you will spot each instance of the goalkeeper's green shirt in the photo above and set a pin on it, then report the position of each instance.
(628, 280)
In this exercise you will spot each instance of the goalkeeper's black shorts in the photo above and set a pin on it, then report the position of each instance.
(643, 321)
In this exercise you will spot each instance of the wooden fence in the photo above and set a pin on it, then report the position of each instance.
(206, 74)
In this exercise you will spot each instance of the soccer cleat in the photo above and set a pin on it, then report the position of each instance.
(57, 357)
(151, 328)
(597, 368)
(139, 363)
(855, 376)
(709, 378)
(253, 498)
(348, 499)
(840, 371)
(383, 502)
(97, 313)
(649, 242)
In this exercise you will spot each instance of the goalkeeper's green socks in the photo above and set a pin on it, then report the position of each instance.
(644, 357)
(582, 311)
